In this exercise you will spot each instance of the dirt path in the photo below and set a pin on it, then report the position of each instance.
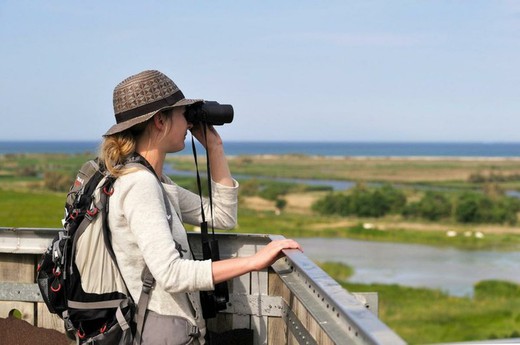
(14, 331)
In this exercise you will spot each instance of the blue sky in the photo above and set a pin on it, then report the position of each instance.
(293, 70)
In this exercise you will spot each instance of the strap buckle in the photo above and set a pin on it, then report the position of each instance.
(194, 332)
(69, 327)
(148, 281)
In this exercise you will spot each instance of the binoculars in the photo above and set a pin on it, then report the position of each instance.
(210, 112)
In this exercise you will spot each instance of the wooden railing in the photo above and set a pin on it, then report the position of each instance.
(293, 302)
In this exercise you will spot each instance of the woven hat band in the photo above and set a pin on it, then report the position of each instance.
(150, 107)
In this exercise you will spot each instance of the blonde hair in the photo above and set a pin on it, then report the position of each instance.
(116, 148)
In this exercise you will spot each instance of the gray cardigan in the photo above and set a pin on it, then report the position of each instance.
(141, 233)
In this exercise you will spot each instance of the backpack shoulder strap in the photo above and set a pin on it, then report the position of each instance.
(144, 299)
(104, 200)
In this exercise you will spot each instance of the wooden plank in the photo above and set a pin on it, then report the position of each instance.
(309, 323)
(259, 287)
(292, 340)
(25, 308)
(17, 268)
(276, 326)
(316, 331)
(242, 285)
(45, 319)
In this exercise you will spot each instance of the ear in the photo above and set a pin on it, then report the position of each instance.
(159, 121)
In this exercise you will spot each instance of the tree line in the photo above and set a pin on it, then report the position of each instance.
(463, 207)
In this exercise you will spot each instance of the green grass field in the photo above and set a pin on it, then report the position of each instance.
(424, 316)
(30, 209)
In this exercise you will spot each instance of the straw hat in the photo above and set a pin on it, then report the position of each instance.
(141, 96)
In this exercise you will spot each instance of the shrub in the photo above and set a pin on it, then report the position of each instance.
(496, 289)
(393, 197)
(477, 178)
(378, 202)
(333, 203)
(479, 208)
(57, 181)
(249, 187)
(432, 206)
(280, 203)
(28, 171)
(273, 190)
(466, 210)
(362, 202)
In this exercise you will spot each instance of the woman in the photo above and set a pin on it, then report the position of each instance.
(149, 110)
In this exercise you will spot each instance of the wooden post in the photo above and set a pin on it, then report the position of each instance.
(17, 269)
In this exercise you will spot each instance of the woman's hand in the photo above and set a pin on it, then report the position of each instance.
(213, 144)
(230, 268)
(266, 256)
(213, 138)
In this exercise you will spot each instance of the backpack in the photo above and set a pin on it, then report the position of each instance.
(78, 274)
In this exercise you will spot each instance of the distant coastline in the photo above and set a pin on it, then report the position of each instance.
(329, 149)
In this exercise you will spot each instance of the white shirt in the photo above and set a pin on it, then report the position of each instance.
(141, 234)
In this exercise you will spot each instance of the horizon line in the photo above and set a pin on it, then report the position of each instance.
(288, 141)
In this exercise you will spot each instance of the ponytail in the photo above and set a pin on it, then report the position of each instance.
(115, 149)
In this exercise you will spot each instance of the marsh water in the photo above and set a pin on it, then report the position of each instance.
(451, 270)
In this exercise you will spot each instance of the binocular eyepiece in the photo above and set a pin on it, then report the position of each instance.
(210, 112)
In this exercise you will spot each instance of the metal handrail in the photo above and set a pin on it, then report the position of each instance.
(339, 312)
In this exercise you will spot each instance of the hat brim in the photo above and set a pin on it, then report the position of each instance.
(117, 128)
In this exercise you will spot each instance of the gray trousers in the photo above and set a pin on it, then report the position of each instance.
(168, 330)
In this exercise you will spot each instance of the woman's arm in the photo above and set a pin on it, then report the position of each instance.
(224, 187)
(225, 206)
(217, 159)
(230, 268)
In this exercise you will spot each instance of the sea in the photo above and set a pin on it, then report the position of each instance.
(345, 149)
